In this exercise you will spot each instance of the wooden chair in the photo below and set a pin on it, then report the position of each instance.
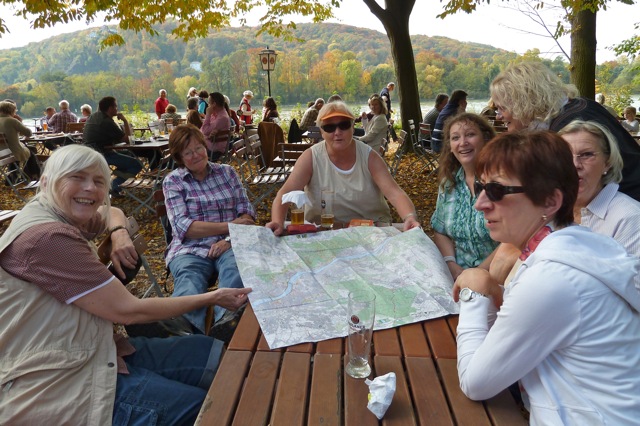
(139, 242)
(7, 215)
(74, 128)
(147, 183)
(289, 154)
(222, 138)
(12, 174)
(313, 134)
(427, 157)
(425, 134)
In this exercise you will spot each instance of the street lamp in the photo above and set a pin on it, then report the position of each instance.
(268, 62)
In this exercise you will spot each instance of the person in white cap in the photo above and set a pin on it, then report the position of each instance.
(245, 112)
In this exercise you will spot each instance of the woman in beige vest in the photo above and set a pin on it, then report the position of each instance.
(60, 362)
(357, 176)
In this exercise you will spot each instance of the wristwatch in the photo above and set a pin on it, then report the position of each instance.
(466, 294)
(228, 239)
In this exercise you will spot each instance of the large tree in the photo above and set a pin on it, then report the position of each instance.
(580, 15)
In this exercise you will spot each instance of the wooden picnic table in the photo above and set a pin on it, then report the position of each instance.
(306, 383)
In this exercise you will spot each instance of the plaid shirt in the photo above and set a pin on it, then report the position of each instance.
(309, 118)
(58, 122)
(220, 197)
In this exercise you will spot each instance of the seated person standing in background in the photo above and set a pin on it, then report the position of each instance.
(12, 130)
(193, 116)
(356, 174)
(171, 114)
(460, 231)
(202, 198)
(375, 128)
(270, 111)
(311, 115)
(456, 105)
(630, 123)
(600, 207)
(101, 131)
(216, 120)
(58, 122)
(431, 116)
(86, 112)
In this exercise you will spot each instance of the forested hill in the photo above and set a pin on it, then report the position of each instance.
(330, 58)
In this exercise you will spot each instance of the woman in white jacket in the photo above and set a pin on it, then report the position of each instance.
(568, 326)
(375, 128)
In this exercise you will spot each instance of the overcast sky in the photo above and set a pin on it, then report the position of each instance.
(491, 24)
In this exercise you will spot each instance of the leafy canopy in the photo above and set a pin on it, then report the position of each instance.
(195, 18)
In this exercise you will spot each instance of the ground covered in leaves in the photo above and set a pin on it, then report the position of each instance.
(411, 177)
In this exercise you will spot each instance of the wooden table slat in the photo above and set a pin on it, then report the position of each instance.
(442, 343)
(430, 403)
(325, 405)
(386, 342)
(453, 324)
(465, 411)
(221, 400)
(356, 394)
(503, 410)
(414, 341)
(290, 404)
(306, 348)
(245, 337)
(400, 412)
(254, 407)
(331, 346)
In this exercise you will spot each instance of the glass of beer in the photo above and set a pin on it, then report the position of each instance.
(45, 126)
(326, 216)
(297, 215)
(360, 321)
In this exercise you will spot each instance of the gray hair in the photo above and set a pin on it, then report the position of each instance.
(8, 108)
(63, 104)
(67, 160)
(607, 143)
(87, 108)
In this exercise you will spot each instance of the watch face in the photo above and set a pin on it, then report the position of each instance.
(465, 294)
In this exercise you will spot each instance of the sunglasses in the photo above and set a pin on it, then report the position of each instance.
(343, 125)
(496, 191)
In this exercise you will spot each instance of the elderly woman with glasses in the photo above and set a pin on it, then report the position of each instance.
(600, 206)
(202, 198)
(357, 176)
(568, 325)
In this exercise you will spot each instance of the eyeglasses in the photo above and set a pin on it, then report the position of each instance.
(198, 150)
(585, 157)
(343, 125)
(496, 191)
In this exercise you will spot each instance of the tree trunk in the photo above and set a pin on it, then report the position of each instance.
(583, 52)
(395, 18)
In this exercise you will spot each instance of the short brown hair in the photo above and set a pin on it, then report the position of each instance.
(171, 109)
(181, 136)
(541, 161)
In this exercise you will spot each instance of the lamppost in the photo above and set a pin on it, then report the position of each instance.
(268, 62)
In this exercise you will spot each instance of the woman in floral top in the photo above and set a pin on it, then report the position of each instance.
(460, 232)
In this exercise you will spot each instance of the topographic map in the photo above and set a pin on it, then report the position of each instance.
(301, 282)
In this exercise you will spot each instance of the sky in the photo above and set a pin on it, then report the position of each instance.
(493, 24)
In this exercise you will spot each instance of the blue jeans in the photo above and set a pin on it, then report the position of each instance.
(126, 167)
(167, 382)
(193, 274)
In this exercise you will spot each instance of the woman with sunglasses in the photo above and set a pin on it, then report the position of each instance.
(460, 232)
(600, 206)
(375, 128)
(356, 174)
(568, 326)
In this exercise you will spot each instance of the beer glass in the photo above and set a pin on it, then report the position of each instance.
(326, 216)
(361, 317)
(297, 215)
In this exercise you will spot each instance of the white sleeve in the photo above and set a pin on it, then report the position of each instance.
(540, 313)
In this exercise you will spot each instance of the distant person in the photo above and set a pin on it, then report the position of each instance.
(192, 93)
(101, 131)
(161, 103)
(601, 100)
(12, 130)
(233, 115)
(216, 120)
(48, 113)
(15, 115)
(270, 111)
(334, 98)
(245, 112)
(310, 115)
(86, 112)
(530, 96)
(457, 104)
(203, 96)
(489, 110)
(375, 128)
(431, 116)
(58, 121)
(385, 94)
(193, 116)
(171, 114)
(630, 123)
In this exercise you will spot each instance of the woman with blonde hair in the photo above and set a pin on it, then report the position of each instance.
(375, 129)
(528, 95)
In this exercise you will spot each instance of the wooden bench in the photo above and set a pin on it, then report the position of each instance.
(306, 383)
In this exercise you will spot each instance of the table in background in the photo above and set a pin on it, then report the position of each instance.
(44, 142)
(143, 146)
(306, 383)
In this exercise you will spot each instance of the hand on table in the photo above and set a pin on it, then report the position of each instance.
(276, 227)
(243, 220)
(410, 223)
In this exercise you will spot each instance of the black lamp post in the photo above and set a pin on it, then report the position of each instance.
(268, 62)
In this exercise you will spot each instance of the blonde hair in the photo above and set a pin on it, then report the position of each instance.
(531, 92)
(607, 144)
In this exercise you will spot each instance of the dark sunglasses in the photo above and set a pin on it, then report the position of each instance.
(496, 191)
(343, 125)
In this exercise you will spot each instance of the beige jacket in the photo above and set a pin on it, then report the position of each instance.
(57, 362)
(12, 128)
